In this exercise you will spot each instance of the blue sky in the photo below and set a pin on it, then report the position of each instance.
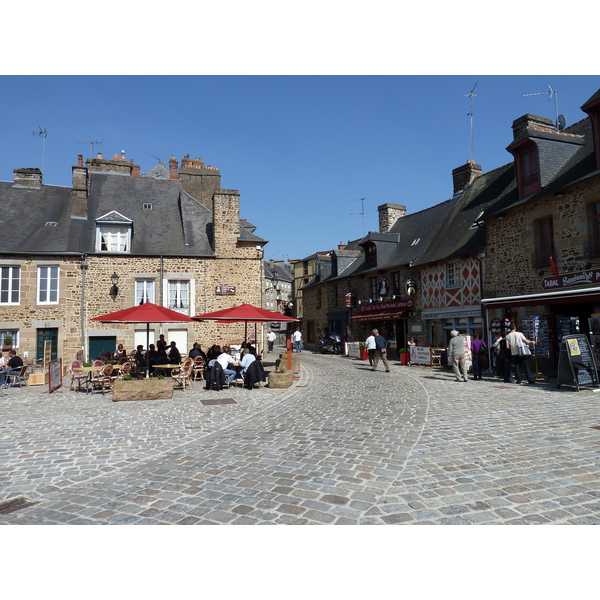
(302, 150)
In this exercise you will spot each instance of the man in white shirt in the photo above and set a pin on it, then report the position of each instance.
(271, 337)
(297, 338)
(371, 346)
(513, 340)
(225, 359)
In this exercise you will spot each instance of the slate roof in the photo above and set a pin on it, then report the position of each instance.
(175, 225)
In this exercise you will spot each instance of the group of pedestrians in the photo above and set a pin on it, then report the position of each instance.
(506, 350)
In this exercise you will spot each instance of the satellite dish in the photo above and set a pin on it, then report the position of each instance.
(561, 122)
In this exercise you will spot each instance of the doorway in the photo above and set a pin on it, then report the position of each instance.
(101, 343)
(49, 334)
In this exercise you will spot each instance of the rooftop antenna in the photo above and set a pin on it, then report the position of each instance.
(470, 95)
(157, 159)
(560, 121)
(92, 144)
(362, 212)
(43, 134)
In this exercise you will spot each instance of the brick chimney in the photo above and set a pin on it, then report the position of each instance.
(28, 178)
(199, 181)
(388, 214)
(463, 176)
(226, 221)
(522, 124)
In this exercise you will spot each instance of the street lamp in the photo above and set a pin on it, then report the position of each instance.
(114, 290)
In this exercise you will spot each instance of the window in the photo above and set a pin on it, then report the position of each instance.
(305, 267)
(113, 239)
(453, 274)
(530, 165)
(179, 296)
(396, 289)
(13, 333)
(371, 253)
(373, 286)
(10, 285)
(594, 219)
(144, 291)
(544, 241)
(47, 285)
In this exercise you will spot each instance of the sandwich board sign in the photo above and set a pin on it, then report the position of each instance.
(576, 363)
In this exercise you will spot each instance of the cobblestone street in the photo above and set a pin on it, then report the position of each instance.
(344, 445)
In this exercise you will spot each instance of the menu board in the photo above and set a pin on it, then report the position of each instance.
(576, 363)
(55, 374)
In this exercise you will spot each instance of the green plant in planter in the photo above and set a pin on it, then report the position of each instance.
(8, 340)
(403, 350)
(362, 346)
(127, 377)
(160, 377)
(87, 364)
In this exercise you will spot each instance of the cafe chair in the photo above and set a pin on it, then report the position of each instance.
(125, 369)
(215, 377)
(101, 380)
(198, 369)
(181, 377)
(78, 379)
(436, 359)
(20, 377)
(255, 374)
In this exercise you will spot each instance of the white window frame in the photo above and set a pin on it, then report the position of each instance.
(9, 280)
(44, 284)
(145, 290)
(453, 278)
(114, 239)
(176, 298)
(14, 334)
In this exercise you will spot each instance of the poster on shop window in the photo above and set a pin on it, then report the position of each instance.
(468, 357)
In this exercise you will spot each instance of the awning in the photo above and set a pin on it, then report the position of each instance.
(378, 316)
(591, 294)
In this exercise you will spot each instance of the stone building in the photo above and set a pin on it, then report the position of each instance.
(118, 238)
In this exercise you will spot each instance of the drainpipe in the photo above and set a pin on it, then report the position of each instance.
(84, 266)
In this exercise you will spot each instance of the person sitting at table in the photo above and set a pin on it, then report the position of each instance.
(161, 343)
(151, 353)
(120, 353)
(225, 359)
(140, 356)
(247, 359)
(13, 367)
(197, 351)
(213, 352)
(174, 356)
(161, 358)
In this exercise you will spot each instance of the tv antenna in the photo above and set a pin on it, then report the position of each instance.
(470, 95)
(560, 122)
(157, 159)
(92, 144)
(362, 212)
(43, 134)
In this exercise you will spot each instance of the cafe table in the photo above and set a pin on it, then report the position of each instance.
(90, 371)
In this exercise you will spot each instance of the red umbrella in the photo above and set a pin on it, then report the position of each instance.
(244, 313)
(145, 313)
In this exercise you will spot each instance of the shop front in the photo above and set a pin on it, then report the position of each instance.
(441, 321)
(546, 318)
(389, 317)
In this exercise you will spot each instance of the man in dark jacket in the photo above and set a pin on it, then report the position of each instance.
(380, 351)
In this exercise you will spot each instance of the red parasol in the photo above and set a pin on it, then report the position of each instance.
(145, 313)
(244, 313)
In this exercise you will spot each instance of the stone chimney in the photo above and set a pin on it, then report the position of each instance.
(118, 165)
(341, 246)
(173, 168)
(79, 191)
(522, 124)
(28, 178)
(199, 181)
(388, 214)
(463, 176)
(226, 221)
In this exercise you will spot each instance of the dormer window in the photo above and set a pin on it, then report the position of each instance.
(113, 233)
(531, 165)
(371, 253)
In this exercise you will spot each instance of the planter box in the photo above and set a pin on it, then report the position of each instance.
(280, 380)
(143, 389)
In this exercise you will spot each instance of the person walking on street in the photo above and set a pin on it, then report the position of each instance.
(297, 339)
(370, 342)
(456, 350)
(513, 340)
(478, 350)
(380, 352)
(271, 337)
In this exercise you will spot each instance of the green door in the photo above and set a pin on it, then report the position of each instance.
(101, 343)
(49, 334)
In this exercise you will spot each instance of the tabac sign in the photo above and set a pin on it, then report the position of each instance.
(571, 279)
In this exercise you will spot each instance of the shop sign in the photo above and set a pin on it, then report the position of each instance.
(571, 279)
(225, 290)
(393, 306)
(384, 287)
(350, 300)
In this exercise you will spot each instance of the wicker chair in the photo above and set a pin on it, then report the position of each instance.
(78, 379)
